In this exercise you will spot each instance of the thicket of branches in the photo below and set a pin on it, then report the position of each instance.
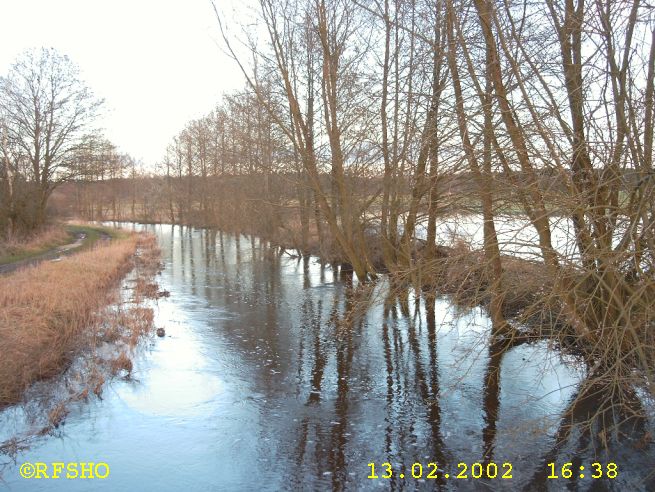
(363, 124)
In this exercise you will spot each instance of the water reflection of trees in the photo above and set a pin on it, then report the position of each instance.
(330, 325)
(589, 408)
(585, 426)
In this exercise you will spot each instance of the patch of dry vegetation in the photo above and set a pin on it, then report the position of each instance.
(464, 274)
(48, 312)
(46, 238)
(121, 363)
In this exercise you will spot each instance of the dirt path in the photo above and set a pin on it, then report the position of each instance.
(54, 254)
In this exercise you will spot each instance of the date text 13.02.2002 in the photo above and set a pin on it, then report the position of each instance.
(484, 470)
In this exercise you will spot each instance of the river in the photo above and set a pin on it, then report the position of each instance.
(261, 383)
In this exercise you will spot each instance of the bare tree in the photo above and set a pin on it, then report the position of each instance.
(45, 109)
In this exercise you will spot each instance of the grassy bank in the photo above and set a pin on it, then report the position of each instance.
(53, 238)
(20, 249)
(47, 312)
(95, 233)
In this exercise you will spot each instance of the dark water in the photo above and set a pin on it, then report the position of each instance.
(269, 379)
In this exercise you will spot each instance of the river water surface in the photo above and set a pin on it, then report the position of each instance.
(267, 379)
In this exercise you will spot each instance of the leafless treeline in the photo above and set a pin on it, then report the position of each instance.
(360, 118)
(101, 185)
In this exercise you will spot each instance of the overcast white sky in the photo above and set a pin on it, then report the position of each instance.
(155, 62)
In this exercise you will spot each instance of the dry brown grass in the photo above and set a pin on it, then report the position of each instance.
(46, 312)
(121, 363)
(143, 288)
(46, 238)
(96, 382)
(463, 274)
(57, 415)
(133, 323)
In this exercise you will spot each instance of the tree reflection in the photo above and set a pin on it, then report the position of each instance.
(310, 351)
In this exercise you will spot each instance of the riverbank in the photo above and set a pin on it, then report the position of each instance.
(53, 236)
(458, 270)
(49, 313)
(51, 243)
